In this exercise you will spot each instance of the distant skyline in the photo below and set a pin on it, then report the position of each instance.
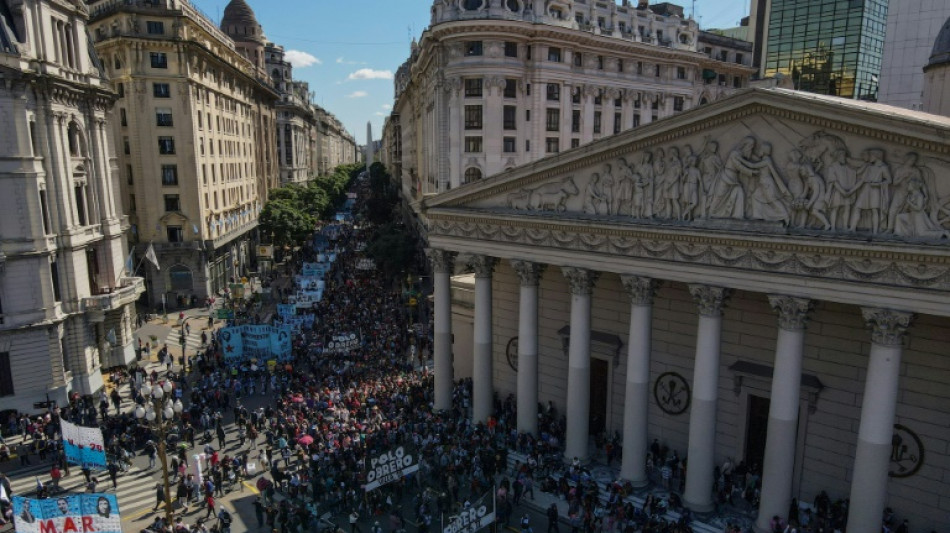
(349, 58)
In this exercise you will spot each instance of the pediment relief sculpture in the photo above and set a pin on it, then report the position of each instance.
(818, 183)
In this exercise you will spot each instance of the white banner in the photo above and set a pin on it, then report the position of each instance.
(343, 343)
(390, 466)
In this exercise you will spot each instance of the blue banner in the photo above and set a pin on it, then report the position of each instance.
(286, 310)
(83, 513)
(83, 446)
(257, 340)
(232, 343)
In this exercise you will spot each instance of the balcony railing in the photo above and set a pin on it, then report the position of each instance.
(127, 292)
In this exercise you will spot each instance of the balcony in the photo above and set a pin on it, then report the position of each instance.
(127, 292)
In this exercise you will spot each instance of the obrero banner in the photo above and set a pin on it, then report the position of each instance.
(83, 513)
(390, 466)
(476, 517)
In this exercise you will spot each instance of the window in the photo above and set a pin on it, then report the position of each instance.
(600, 62)
(554, 54)
(681, 73)
(511, 88)
(527, 145)
(473, 117)
(473, 87)
(511, 49)
(618, 102)
(123, 120)
(578, 59)
(172, 203)
(598, 98)
(166, 145)
(161, 90)
(656, 70)
(54, 274)
(616, 123)
(636, 119)
(472, 174)
(473, 144)
(132, 206)
(169, 175)
(553, 119)
(528, 52)
(620, 65)
(473, 48)
(575, 121)
(174, 234)
(508, 145)
(678, 102)
(736, 82)
(44, 212)
(120, 88)
(163, 116)
(575, 142)
(509, 115)
(80, 191)
(596, 121)
(576, 96)
(739, 58)
(554, 92)
(551, 145)
(126, 147)
(159, 59)
(155, 27)
(6, 372)
(639, 67)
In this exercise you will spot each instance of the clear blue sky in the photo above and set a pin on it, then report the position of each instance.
(348, 50)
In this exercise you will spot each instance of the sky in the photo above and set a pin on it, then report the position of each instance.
(348, 50)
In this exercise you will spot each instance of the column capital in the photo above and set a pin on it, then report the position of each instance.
(792, 311)
(581, 280)
(640, 289)
(710, 299)
(529, 272)
(442, 260)
(482, 265)
(887, 326)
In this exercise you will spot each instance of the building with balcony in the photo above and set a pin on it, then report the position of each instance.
(334, 146)
(66, 300)
(196, 126)
(296, 127)
(494, 85)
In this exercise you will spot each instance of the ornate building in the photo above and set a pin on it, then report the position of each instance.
(334, 145)
(66, 302)
(296, 127)
(494, 85)
(763, 279)
(196, 124)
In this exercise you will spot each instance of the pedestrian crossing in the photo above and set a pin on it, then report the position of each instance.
(135, 488)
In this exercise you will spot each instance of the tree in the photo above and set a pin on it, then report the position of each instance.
(391, 249)
(286, 222)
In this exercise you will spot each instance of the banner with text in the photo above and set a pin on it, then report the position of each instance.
(343, 343)
(390, 466)
(83, 446)
(84, 513)
(478, 516)
(256, 340)
(286, 310)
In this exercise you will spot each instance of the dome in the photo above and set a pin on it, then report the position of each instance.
(240, 23)
(941, 51)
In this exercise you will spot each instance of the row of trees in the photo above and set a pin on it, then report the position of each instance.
(292, 211)
(392, 246)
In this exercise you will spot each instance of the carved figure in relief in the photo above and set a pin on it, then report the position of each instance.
(520, 199)
(839, 193)
(692, 187)
(770, 195)
(643, 193)
(625, 187)
(727, 196)
(903, 174)
(595, 198)
(710, 164)
(666, 203)
(914, 221)
(807, 190)
(872, 193)
(607, 186)
(552, 196)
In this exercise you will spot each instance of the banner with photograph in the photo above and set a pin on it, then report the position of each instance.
(83, 446)
(83, 513)
(306, 283)
(390, 466)
(256, 340)
(479, 515)
(314, 270)
(306, 299)
(232, 343)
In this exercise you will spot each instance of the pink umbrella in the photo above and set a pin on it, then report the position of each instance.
(306, 440)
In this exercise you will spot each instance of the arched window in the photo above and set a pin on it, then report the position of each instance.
(513, 6)
(180, 277)
(472, 174)
(75, 139)
(472, 5)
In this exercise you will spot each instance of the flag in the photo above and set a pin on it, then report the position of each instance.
(130, 262)
(111, 337)
(3, 494)
(150, 255)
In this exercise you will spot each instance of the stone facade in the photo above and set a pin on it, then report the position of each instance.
(296, 128)
(66, 300)
(334, 146)
(195, 126)
(494, 85)
(746, 283)
(912, 27)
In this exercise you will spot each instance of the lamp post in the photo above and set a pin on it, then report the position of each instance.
(159, 415)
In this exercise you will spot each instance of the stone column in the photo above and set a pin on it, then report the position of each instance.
(482, 389)
(872, 457)
(443, 264)
(702, 416)
(578, 362)
(530, 274)
(779, 463)
(637, 396)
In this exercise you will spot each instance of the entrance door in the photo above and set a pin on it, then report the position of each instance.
(756, 430)
(599, 374)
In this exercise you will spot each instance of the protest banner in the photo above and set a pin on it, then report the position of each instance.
(83, 446)
(390, 466)
(366, 264)
(256, 340)
(232, 343)
(479, 515)
(314, 270)
(342, 343)
(84, 513)
(286, 310)
(306, 299)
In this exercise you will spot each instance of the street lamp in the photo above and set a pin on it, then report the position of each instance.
(159, 415)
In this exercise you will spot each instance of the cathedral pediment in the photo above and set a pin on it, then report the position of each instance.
(763, 161)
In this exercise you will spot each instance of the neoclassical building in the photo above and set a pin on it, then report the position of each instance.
(66, 302)
(496, 84)
(334, 146)
(296, 127)
(196, 125)
(764, 278)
